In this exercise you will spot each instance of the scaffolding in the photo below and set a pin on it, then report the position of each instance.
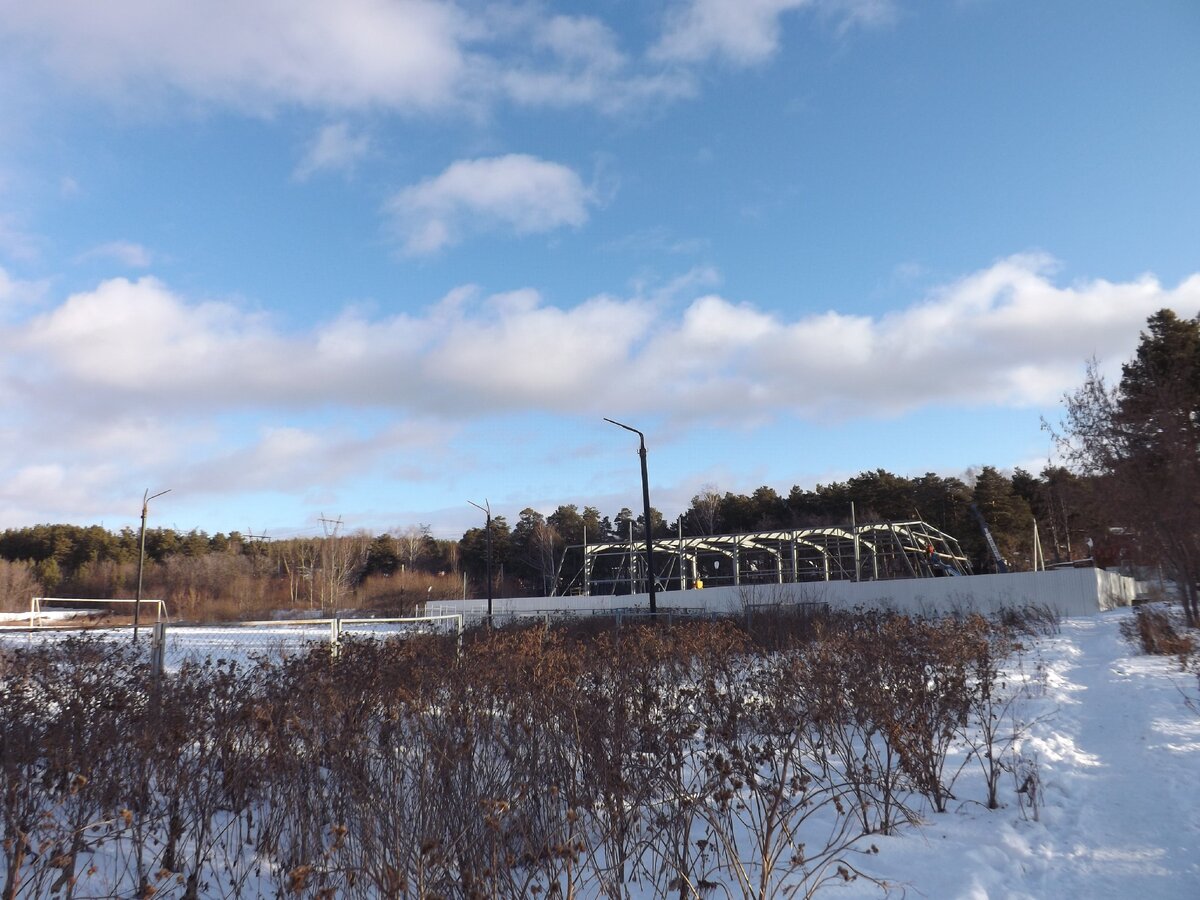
(868, 552)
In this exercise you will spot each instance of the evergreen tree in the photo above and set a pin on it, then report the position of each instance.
(1142, 440)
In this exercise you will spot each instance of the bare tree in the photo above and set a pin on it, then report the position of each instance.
(413, 542)
(298, 558)
(18, 584)
(341, 561)
(545, 550)
(705, 512)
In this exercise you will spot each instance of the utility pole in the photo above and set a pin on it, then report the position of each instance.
(486, 509)
(646, 513)
(256, 555)
(137, 603)
(331, 560)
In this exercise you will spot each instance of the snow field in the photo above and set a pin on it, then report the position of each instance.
(1113, 745)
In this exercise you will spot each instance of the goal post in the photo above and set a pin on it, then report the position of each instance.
(40, 607)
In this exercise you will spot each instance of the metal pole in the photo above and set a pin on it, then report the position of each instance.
(587, 568)
(137, 604)
(646, 513)
(682, 577)
(854, 528)
(487, 510)
(157, 648)
(632, 563)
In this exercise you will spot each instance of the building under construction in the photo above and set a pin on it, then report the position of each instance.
(868, 552)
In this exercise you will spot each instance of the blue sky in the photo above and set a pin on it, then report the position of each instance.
(376, 258)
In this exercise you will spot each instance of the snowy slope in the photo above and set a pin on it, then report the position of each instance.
(1118, 754)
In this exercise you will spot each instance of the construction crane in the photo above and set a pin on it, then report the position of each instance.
(1001, 565)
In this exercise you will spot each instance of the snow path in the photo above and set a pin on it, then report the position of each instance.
(1119, 773)
(1118, 754)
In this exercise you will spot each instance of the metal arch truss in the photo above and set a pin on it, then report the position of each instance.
(868, 552)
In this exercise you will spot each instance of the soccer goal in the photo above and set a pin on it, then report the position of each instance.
(57, 610)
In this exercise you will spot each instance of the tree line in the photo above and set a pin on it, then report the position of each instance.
(194, 569)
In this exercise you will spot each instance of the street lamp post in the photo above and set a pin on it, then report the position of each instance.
(486, 509)
(137, 604)
(646, 514)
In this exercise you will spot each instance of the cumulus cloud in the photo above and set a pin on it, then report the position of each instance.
(394, 55)
(361, 55)
(289, 456)
(517, 192)
(17, 296)
(127, 253)
(134, 372)
(335, 147)
(746, 32)
(350, 54)
(1007, 335)
(568, 61)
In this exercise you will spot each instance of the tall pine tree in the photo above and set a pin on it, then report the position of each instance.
(1142, 439)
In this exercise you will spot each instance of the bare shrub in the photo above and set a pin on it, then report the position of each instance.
(1157, 631)
(18, 584)
(213, 587)
(1032, 619)
(538, 761)
(402, 593)
(994, 726)
(67, 713)
(924, 672)
(779, 824)
(107, 578)
(850, 703)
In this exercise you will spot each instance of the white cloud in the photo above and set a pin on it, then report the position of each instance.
(517, 192)
(349, 54)
(567, 61)
(581, 38)
(17, 297)
(133, 372)
(1005, 335)
(294, 457)
(360, 55)
(364, 56)
(334, 147)
(746, 32)
(127, 253)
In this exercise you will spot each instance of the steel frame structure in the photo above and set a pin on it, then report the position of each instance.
(868, 552)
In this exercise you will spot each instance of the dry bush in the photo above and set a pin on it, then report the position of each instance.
(18, 585)
(849, 702)
(1158, 631)
(783, 626)
(402, 593)
(213, 587)
(105, 578)
(1032, 619)
(536, 761)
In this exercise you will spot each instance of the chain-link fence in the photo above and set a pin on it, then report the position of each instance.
(633, 615)
(169, 645)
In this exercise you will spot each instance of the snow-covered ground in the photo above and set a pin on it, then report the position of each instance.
(1117, 750)
(1116, 747)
